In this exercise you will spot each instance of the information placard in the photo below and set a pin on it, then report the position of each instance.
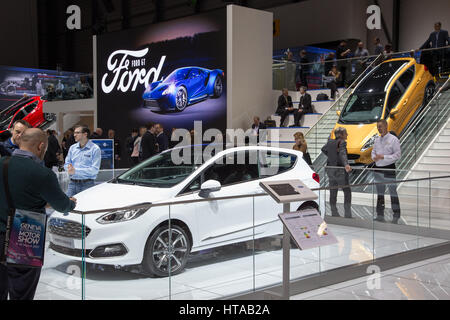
(285, 191)
(307, 228)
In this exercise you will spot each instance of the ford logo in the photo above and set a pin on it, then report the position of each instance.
(59, 223)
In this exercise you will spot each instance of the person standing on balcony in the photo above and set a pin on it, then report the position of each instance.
(342, 53)
(386, 151)
(337, 171)
(82, 162)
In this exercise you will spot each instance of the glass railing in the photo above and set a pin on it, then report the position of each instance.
(291, 74)
(425, 127)
(228, 242)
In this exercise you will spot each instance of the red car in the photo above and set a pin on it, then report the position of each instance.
(28, 109)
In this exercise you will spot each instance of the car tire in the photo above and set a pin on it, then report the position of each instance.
(429, 93)
(49, 117)
(157, 251)
(181, 99)
(218, 87)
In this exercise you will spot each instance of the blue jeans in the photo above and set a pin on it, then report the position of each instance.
(77, 187)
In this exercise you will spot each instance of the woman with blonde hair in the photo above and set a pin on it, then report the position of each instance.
(301, 145)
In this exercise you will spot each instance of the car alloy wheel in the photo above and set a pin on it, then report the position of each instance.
(181, 99)
(167, 251)
(218, 87)
(49, 117)
(429, 93)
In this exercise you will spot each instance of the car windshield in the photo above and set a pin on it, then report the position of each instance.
(179, 74)
(363, 108)
(161, 171)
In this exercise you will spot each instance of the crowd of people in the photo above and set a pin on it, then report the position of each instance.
(342, 67)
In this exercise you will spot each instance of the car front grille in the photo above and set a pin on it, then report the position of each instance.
(68, 229)
(353, 156)
(69, 252)
(151, 103)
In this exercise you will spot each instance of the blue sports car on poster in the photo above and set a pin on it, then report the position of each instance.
(183, 87)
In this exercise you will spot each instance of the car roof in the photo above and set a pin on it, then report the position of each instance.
(377, 80)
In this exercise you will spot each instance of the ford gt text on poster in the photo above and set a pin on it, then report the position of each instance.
(143, 236)
(183, 87)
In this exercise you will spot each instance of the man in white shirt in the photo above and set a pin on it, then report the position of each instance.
(386, 151)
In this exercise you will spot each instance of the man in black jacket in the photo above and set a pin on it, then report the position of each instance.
(285, 107)
(336, 151)
(304, 105)
(148, 143)
(32, 187)
(51, 156)
(161, 138)
(256, 126)
(437, 39)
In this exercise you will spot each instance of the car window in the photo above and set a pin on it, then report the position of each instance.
(30, 107)
(194, 74)
(394, 96)
(193, 186)
(363, 108)
(407, 77)
(379, 77)
(273, 163)
(160, 171)
(20, 115)
(233, 168)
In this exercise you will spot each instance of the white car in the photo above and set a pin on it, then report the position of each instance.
(141, 236)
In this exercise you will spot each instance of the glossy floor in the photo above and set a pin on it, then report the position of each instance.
(230, 270)
(424, 280)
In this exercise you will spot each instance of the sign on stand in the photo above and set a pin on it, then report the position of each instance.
(307, 228)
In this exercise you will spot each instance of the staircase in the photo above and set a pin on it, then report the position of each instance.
(283, 137)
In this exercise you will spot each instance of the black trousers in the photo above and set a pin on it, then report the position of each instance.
(339, 177)
(333, 87)
(386, 176)
(19, 283)
(297, 116)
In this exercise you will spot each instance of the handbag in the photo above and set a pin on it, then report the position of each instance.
(25, 233)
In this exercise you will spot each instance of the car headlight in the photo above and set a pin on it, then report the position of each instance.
(121, 215)
(170, 89)
(369, 143)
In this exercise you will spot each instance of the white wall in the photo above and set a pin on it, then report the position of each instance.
(249, 65)
(417, 18)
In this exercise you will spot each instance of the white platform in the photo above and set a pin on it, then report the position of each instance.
(215, 274)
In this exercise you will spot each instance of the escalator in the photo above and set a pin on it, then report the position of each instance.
(414, 140)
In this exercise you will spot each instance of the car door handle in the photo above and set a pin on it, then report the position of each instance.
(418, 81)
(405, 102)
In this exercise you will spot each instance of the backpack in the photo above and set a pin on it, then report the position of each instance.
(322, 96)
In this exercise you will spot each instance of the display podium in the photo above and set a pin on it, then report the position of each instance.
(306, 227)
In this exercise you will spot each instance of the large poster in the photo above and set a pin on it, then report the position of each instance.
(173, 73)
(15, 82)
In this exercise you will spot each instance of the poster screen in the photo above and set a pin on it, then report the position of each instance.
(172, 73)
(51, 85)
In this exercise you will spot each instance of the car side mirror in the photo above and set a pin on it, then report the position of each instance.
(338, 112)
(209, 186)
(393, 113)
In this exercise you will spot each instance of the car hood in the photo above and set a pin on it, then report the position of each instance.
(114, 195)
(358, 134)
